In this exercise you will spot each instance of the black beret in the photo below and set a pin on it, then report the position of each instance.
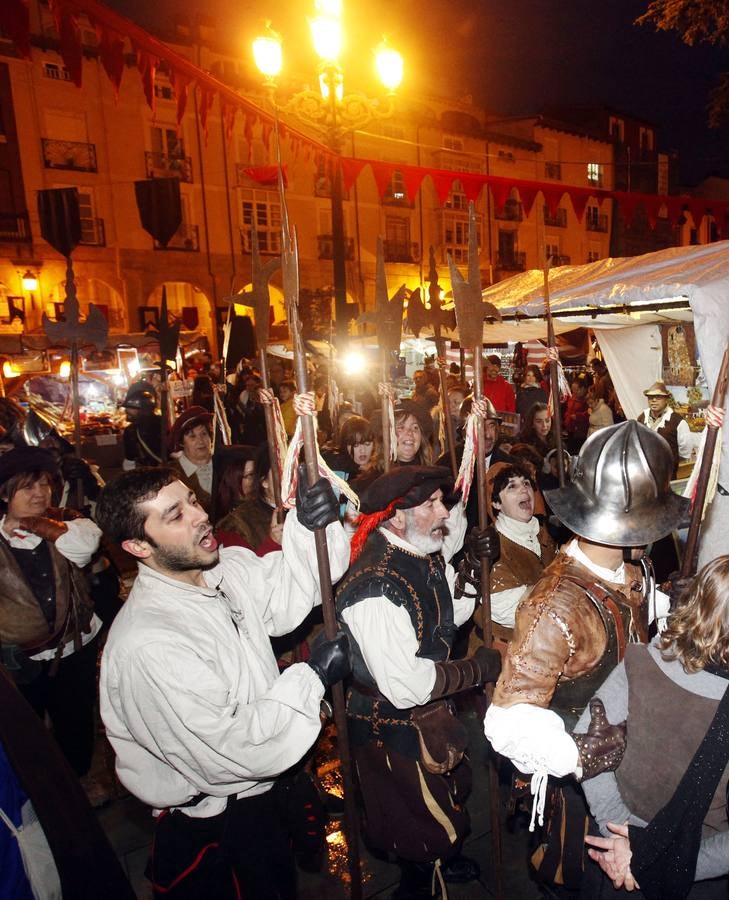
(26, 459)
(410, 485)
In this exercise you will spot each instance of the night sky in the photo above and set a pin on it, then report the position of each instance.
(514, 56)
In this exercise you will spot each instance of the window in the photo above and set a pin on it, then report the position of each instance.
(451, 142)
(594, 174)
(167, 142)
(92, 229)
(397, 246)
(593, 254)
(455, 235)
(616, 128)
(396, 132)
(457, 198)
(261, 208)
(551, 251)
(646, 140)
(56, 72)
(506, 156)
(396, 192)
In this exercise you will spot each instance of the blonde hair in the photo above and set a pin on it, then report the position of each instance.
(698, 629)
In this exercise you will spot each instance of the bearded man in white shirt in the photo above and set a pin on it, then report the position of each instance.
(401, 611)
(201, 722)
(571, 629)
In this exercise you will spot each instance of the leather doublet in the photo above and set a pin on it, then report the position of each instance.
(21, 618)
(419, 585)
(570, 632)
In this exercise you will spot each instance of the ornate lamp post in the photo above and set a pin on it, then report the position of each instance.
(332, 114)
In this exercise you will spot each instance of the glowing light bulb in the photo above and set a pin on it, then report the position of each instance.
(389, 65)
(268, 54)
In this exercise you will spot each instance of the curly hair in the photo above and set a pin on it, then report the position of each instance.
(698, 629)
(118, 509)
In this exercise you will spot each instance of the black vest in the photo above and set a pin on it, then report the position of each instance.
(419, 585)
(669, 431)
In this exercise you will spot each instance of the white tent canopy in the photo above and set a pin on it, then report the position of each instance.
(645, 287)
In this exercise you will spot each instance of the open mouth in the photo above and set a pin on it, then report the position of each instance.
(208, 542)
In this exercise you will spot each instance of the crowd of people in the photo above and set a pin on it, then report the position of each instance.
(213, 727)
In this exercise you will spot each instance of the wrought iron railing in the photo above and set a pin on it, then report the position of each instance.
(72, 155)
(512, 262)
(326, 246)
(597, 223)
(401, 251)
(187, 238)
(161, 164)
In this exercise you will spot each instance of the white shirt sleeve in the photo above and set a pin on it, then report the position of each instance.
(534, 739)
(686, 440)
(389, 645)
(79, 543)
(284, 585)
(504, 604)
(457, 525)
(178, 709)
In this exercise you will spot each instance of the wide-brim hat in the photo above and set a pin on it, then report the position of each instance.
(421, 414)
(192, 416)
(620, 494)
(27, 459)
(657, 389)
(405, 487)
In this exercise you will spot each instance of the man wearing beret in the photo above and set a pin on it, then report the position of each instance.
(400, 607)
(659, 417)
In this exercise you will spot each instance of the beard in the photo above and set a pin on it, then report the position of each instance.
(428, 542)
(181, 559)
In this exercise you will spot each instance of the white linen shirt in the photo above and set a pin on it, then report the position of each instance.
(191, 696)
(386, 636)
(686, 440)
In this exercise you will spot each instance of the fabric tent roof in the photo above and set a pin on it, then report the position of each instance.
(698, 274)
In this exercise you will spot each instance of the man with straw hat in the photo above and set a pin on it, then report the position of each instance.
(659, 417)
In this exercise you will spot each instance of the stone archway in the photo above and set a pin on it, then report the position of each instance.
(187, 302)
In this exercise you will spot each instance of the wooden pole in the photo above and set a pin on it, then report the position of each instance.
(290, 267)
(697, 510)
(384, 404)
(554, 381)
(449, 429)
(271, 435)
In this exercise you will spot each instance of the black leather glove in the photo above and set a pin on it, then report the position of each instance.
(73, 468)
(482, 544)
(602, 746)
(675, 586)
(316, 507)
(330, 659)
(460, 674)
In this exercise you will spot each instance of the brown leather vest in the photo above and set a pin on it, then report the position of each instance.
(517, 565)
(21, 620)
(666, 724)
(669, 431)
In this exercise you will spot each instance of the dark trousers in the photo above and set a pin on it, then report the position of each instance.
(244, 852)
(69, 697)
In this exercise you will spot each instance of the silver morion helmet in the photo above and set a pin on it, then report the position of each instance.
(620, 494)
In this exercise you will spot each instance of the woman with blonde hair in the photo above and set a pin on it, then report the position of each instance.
(663, 811)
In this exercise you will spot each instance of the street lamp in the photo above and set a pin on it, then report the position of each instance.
(333, 115)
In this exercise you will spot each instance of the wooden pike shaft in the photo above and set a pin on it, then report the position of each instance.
(692, 541)
(270, 433)
(384, 403)
(554, 382)
(494, 790)
(351, 819)
(76, 419)
(449, 429)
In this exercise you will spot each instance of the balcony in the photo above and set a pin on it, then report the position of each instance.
(325, 243)
(15, 228)
(161, 165)
(401, 252)
(186, 238)
(553, 170)
(511, 262)
(561, 260)
(597, 223)
(513, 211)
(70, 155)
(93, 233)
(558, 220)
